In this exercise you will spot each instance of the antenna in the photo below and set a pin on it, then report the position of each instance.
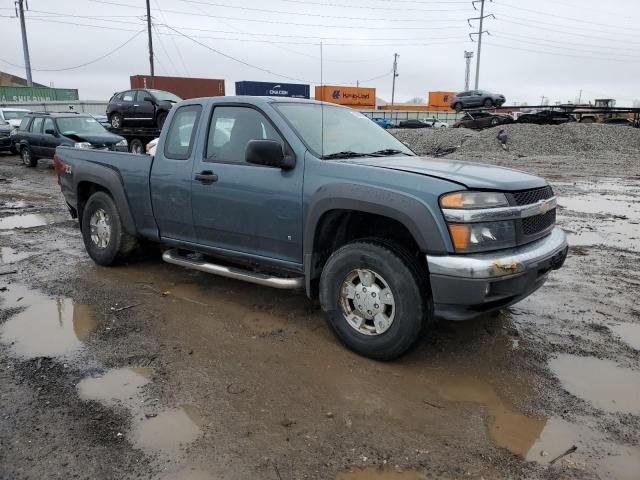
(321, 106)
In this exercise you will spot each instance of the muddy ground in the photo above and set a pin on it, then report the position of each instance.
(153, 371)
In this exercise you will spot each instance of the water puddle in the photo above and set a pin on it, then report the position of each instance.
(508, 428)
(165, 431)
(117, 386)
(601, 382)
(629, 332)
(47, 326)
(31, 220)
(594, 450)
(188, 474)
(375, 473)
(169, 431)
(11, 255)
(595, 203)
(620, 234)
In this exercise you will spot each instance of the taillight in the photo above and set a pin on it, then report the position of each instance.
(57, 165)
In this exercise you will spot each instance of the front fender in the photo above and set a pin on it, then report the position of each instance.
(415, 215)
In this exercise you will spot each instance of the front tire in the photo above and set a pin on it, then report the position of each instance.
(457, 107)
(136, 146)
(27, 157)
(105, 239)
(161, 119)
(376, 298)
(488, 103)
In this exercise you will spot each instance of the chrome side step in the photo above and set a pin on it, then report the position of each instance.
(172, 256)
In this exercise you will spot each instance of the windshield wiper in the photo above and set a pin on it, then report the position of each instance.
(388, 151)
(345, 154)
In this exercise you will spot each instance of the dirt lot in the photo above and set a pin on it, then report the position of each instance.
(152, 371)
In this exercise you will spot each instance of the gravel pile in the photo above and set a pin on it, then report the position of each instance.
(527, 140)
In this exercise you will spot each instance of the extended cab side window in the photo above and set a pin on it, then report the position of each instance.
(179, 140)
(36, 126)
(230, 131)
(24, 124)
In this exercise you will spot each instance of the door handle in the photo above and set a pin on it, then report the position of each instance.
(207, 176)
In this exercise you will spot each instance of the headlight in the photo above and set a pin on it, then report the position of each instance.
(122, 143)
(82, 145)
(474, 237)
(472, 200)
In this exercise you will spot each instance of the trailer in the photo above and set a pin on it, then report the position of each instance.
(137, 137)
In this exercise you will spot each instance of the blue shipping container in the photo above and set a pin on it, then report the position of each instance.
(272, 89)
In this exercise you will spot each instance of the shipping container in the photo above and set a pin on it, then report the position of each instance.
(184, 87)
(37, 94)
(351, 96)
(440, 99)
(273, 89)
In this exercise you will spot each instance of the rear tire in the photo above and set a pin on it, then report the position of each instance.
(384, 268)
(457, 107)
(588, 120)
(27, 157)
(105, 239)
(116, 120)
(488, 103)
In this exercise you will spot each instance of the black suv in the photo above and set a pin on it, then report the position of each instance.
(140, 108)
(41, 132)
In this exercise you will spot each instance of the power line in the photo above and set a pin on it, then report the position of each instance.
(173, 42)
(573, 19)
(317, 15)
(164, 50)
(110, 52)
(277, 22)
(557, 54)
(369, 7)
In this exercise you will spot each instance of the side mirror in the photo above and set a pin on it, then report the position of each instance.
(269, 153)
(149, 99)
(50, 131)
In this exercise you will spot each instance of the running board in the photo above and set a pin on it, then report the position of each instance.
(172, 256)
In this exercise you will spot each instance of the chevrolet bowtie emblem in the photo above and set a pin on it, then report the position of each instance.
(544, 207)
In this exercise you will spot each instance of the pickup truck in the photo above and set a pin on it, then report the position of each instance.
(299, 194)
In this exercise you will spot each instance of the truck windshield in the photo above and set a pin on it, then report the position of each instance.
(75, 125)
(347, 133)
(163, 96)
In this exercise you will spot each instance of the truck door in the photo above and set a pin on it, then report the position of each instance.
(250, 209)
(171, 176)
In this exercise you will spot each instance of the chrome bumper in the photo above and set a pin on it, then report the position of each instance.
(499, 263)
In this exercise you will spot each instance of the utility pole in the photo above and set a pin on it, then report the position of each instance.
(395, 74)
(150, 44)
(580, 97)
(25, 44)
(467, 58)
(479, 34)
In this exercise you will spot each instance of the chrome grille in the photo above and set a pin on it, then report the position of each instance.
(532, 196)
(538, 223)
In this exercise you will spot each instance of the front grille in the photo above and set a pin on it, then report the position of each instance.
(538, 223)
(532, 196)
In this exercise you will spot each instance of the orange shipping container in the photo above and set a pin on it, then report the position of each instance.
(440, 99)
(350, 96)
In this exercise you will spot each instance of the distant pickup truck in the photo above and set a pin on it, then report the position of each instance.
(297, 194)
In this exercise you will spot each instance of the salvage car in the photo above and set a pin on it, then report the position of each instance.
(261, 190)
(476, 99)
(41, 132)
(546, 117)
(480, 120)
(12, 116)
(384, 122)
(414, 123)
(140, 107)
(6, 141)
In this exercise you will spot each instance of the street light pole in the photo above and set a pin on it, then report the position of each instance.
(25, 44)
(150, 44)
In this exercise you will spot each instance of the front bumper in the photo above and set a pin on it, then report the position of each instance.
(465, 286)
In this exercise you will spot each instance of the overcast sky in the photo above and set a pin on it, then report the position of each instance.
(537, 48)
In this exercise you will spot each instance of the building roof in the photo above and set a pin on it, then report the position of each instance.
(9, 80)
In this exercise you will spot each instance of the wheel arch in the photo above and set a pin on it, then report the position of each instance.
(107, 181)
(339, 214)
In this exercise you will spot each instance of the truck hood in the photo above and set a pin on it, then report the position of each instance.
(468, 174)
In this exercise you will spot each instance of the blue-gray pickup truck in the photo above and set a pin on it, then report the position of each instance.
(298, 194)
